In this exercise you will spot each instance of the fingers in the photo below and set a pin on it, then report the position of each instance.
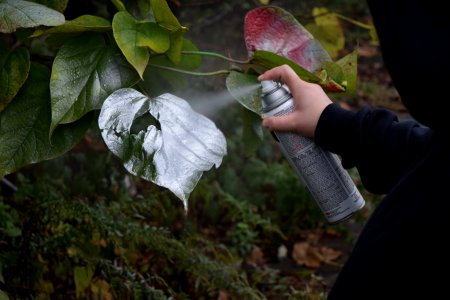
(283, 74)
(280, 123)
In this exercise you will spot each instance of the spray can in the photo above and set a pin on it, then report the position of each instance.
(321, 171)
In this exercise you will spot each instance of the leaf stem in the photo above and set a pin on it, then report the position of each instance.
(213, 73)
(354, 22)
(216, 55)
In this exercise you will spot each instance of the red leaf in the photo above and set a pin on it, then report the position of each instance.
(273, 29)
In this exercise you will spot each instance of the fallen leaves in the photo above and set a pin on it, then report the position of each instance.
(312, 254)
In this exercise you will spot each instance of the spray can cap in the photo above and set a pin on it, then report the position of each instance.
(273, 95)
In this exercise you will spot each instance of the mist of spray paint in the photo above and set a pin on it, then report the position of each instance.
(211, 104)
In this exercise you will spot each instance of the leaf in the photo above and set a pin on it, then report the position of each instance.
(152, 36)
(273, 29)
(13, 74)
(25, 125)
(59, 5)
(176, 44)
(24, 14)
(252, 133)
(80, 24)
(245, 89)
(119, 5)
(268, 60)
(327, 29)
(83, 277)
(158, 81)
(172, 153)
(85, 71)
(134, 37)
(164, 16)
(304, 253)
(349, 65)
(3, 295)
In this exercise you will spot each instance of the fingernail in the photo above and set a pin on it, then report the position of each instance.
(265, 123)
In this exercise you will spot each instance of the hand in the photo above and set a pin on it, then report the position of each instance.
(309, 99)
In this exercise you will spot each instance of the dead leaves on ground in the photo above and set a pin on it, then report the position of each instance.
(311, 253)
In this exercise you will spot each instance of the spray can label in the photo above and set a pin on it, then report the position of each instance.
(321, 171)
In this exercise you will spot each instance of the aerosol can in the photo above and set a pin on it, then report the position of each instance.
(321, 171)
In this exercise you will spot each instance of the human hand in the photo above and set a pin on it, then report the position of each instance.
(309, 99)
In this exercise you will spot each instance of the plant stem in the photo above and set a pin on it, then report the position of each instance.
(217, 55)
(354, 22)
(218, 72)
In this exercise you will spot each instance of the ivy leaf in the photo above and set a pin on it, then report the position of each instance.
(164, 16)
(24, 14)
(80, 24)
(273, 29)
(119, 5)
(345, 71)
(174, 151)
(327, 29)
(246, 90)
(13, 74)
(252, 132)
(85, 71)
(161, 80)
(82, 277)
(134, 38)
(25, 125)
(59, 5)
(269, 60)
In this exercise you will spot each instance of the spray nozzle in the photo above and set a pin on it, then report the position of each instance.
(273, 94)
(269, 86)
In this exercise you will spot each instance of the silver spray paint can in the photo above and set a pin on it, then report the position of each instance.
(321, 171)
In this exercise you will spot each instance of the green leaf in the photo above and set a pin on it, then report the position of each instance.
(59, 5)
(245, 88)
(3, 295)
(327, 29)
(176, 44)
(158, 81)
(24, 14)
(134, 37)
(349, 67)
(25, 125)
(252, 132)
(85, 71)
(13, 74)
(119, 5)
(83, 277)
(269, 60)
(172, 153)
(80, 24)
(152, 36)
(164, 16)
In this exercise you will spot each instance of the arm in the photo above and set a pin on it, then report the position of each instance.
(374, 141)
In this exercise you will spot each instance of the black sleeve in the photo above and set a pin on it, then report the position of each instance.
(373, 141)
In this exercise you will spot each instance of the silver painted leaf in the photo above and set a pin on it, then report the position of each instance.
(173, 153)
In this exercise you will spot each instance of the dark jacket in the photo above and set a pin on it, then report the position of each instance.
(404, 245)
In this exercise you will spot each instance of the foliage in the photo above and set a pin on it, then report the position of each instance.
(79, 226)
(92, 56)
